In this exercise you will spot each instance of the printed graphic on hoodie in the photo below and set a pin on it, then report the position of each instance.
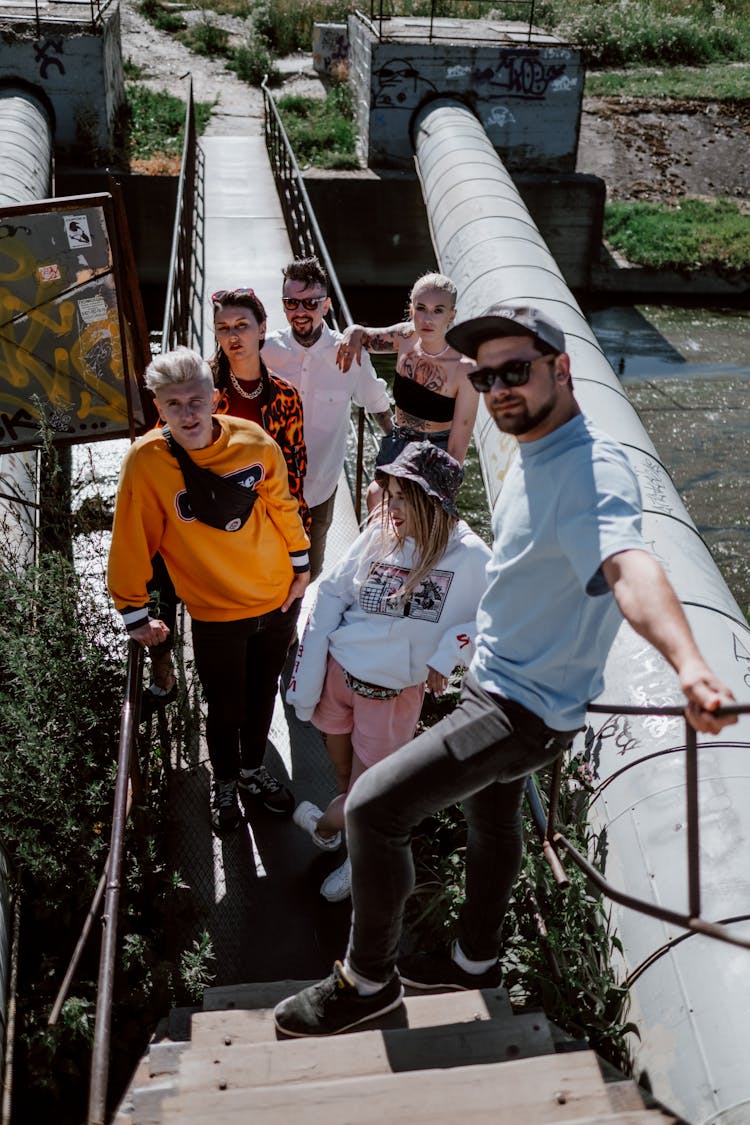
(379, 593)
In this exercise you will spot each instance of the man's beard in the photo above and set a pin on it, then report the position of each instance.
(523, 422)
(309, 337)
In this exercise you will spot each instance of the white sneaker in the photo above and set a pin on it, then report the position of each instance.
(338, 885)
(306, 817)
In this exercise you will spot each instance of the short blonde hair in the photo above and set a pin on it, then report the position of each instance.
(435, 281)
(177, 367)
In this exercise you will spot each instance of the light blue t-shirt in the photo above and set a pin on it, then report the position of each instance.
(548, 618)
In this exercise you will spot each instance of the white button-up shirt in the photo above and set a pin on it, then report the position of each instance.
(327, 394)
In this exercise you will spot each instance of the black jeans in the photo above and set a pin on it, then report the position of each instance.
(480, 754)
(238, 665)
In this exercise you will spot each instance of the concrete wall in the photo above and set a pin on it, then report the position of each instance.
(79, 69)
(377, 232)
(528, 98)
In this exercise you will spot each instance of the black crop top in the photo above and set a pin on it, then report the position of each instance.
(421, 402)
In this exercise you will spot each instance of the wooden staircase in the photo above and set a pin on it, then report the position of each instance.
(439, 1059)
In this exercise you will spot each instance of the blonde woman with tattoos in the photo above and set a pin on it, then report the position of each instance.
(433, 397)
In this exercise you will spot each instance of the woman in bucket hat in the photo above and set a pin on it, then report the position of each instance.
(394, 617)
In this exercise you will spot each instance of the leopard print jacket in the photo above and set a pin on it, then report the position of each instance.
(281, 411)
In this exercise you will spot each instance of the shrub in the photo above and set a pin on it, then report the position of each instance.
(321, 130)
(206, 38)
(252, 62)
(155, 122)
(159, 17)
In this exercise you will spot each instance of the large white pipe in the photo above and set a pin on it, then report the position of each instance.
(691, 1000)
(25, 176)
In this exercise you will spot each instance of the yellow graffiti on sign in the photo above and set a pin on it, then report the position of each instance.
(62, 353)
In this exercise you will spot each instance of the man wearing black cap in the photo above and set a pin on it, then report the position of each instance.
(568, 562)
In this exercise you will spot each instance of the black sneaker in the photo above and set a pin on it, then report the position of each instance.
(225, 809)
(261, 784)
(439, 972)
(333, 1006)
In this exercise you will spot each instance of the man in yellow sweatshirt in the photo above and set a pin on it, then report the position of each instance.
(241, 582)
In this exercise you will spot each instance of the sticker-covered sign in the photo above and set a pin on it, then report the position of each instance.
(62, 359)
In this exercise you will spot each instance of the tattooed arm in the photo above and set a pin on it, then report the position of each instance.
(372, 340)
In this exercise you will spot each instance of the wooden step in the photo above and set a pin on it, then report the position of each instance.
(251, 1024)
(555, 1088)
(370, 1052)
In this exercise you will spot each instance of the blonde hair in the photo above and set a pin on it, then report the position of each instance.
(435, 281)
(177, 367)
(431, 529)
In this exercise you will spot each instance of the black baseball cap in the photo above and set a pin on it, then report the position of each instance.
(505, 319)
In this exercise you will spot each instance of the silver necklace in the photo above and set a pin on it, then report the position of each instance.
(245, 394)
(435, 355)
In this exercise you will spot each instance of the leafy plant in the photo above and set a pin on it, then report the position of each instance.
(197, 966)
(321, 130)
(252, 62)
(156, 121)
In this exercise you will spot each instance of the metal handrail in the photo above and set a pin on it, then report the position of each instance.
(179, 298)
(552, 839)
(307, 239)
(125, 761)
(97, 9)
(377, 17)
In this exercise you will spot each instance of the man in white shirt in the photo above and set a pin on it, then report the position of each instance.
(305, 355)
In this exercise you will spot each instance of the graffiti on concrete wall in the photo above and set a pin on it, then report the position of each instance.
(63, 366)
(45, 55)
(521, 75)
(398, 84)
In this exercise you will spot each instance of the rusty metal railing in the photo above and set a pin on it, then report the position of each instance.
(126, 767)
(552, 839)
(307, 239)
(96, 10)
(381, 11)
(178, 303)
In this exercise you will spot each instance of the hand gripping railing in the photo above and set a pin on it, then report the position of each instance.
(306, 239)
(552, 839)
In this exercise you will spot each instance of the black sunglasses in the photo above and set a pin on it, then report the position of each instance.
(514, 373)
(309, 303)
(220, 294)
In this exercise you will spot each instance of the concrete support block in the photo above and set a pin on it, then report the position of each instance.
(78, 68)
(528, 96)
(330, 48)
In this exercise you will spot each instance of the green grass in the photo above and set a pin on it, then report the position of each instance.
(156, 122)
(321, 130)
(690, 236)
(714, 82)
(161, 19)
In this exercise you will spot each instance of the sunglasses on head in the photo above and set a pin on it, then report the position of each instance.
(220, 294)
(514, 373)
(309, 303)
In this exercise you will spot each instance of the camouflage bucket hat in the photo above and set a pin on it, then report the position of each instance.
(434, 470)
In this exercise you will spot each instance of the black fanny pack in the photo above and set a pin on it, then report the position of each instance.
(221, 503)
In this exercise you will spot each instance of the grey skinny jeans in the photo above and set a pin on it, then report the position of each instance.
(480, 754)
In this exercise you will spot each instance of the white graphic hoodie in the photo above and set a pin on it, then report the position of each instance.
(376, 636)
